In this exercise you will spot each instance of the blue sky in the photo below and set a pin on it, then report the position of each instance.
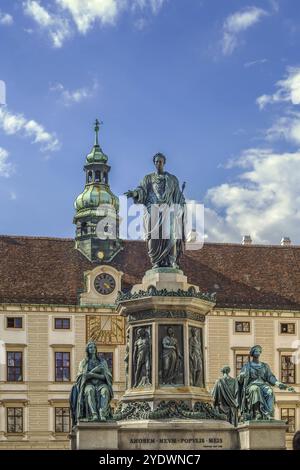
(213, 84)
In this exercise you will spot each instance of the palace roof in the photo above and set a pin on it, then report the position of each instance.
(50, 271)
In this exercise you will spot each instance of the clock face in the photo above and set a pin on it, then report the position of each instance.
(104, 284)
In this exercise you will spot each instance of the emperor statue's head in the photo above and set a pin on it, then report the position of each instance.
(159, 161)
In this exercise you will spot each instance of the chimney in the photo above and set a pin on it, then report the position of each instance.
(285, 241)
(246, 240)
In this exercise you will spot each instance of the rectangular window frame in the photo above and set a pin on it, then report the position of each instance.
(8, 367)
(62, 320)
(14, 416)
(14, 328)
(56, 352)
(282, 374)
(287, 332)
(243, 332)
(15, 320)
(56, 426)
(283, 418)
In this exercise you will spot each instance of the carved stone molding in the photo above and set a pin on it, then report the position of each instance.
(150, 314)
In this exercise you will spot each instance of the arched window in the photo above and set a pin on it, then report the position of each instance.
(97, 176)
(90, 177)
(83, 228)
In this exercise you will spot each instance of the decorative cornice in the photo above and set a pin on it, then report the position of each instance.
(58, 401)
(166, 410)
(148, 315)
(287, 349)
(9, 401)
(82, 309)
(153, 292)
(56, 308)
(246, 313)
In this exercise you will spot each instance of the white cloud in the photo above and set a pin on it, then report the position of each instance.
(264, 202)
(6, 19)
(5, 167)
(57, 26)
(86, 12)
(255, 62)
(65, 16)
(69, 97)
(288, 90)
(17, 124)
(12, 195)
(237, 23)
(286, 126)
(154, 5)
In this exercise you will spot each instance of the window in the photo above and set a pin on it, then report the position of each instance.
(242, 327)
(14, 420)
(62, 323)
(90, 177)
(109, 357)
(240, 360)
(84, 229)
(14, 322)
(14, 366)
(288, 415)
(288, 328)
(97, 176)
(62, 367)
(288, 370)
(62, 419)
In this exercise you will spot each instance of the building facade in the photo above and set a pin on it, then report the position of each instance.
(56, 294)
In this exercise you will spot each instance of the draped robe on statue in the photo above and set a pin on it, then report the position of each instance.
(100, 390)
(256, 392)
(162, 189)
(225, 396)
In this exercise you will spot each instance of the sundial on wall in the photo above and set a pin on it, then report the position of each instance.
(106, 329)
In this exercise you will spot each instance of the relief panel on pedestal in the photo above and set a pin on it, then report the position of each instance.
(170, 358)
(142, 356)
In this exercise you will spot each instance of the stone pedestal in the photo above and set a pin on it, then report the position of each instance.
(164, 278)
(165, 302)
(95, 436)
(262, 435)
(181, 434)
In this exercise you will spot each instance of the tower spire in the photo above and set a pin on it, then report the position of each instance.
(96, 129)
(97, 202)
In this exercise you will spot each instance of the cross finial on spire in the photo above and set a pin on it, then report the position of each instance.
(96, 128)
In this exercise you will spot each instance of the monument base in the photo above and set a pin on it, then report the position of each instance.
(179, 434)
(262, 435)
(171, 434)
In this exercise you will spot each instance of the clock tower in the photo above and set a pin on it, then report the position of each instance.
(97, 209)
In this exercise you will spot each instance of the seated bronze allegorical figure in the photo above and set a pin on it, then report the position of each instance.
(256, 381)
(91, 394)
